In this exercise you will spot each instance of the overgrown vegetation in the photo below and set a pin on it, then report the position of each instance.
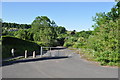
(102, 43)
(77, 40)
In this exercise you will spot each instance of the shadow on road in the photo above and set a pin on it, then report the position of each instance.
(31, 60)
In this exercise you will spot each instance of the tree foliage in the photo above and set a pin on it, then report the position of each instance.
(105, 39)
(46, 31)
(15, 25)
(42, 31)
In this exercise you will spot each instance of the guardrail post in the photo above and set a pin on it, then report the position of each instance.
(12, 51)
(41, 52)
(25, 53)
(33, 54)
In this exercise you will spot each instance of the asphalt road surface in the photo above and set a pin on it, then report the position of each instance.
(71, 67)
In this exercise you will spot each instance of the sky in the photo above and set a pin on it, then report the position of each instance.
(72, 15)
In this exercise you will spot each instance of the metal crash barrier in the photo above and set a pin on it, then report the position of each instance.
(55, 52)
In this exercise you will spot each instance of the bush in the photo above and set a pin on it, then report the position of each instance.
(68, 44)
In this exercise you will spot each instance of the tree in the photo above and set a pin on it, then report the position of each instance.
(117, 0)
(104, 18)
(60, 30)
(15, 25)
(53, 24)
(0, 27)
(41, 21)
(43, 30)
(73, 32)
(22, 34)
(1, 20)
(104, 41)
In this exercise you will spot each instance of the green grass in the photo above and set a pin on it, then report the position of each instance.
(87, 54)
(19, 45)
(13, 59)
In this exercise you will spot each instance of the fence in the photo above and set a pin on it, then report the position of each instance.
(55, 52)
(51, 52)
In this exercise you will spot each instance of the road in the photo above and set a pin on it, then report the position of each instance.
(71, 67)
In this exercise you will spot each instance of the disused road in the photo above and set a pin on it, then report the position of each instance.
(71, 67)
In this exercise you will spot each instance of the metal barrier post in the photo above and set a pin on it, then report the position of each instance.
(12, 51)
(25, 53)
(33, 54)
(41, 52)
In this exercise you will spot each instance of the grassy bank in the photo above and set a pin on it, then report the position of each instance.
(90, 55)
(19, 45)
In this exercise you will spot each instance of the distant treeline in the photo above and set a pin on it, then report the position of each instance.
(42, 31)
(15, 25)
